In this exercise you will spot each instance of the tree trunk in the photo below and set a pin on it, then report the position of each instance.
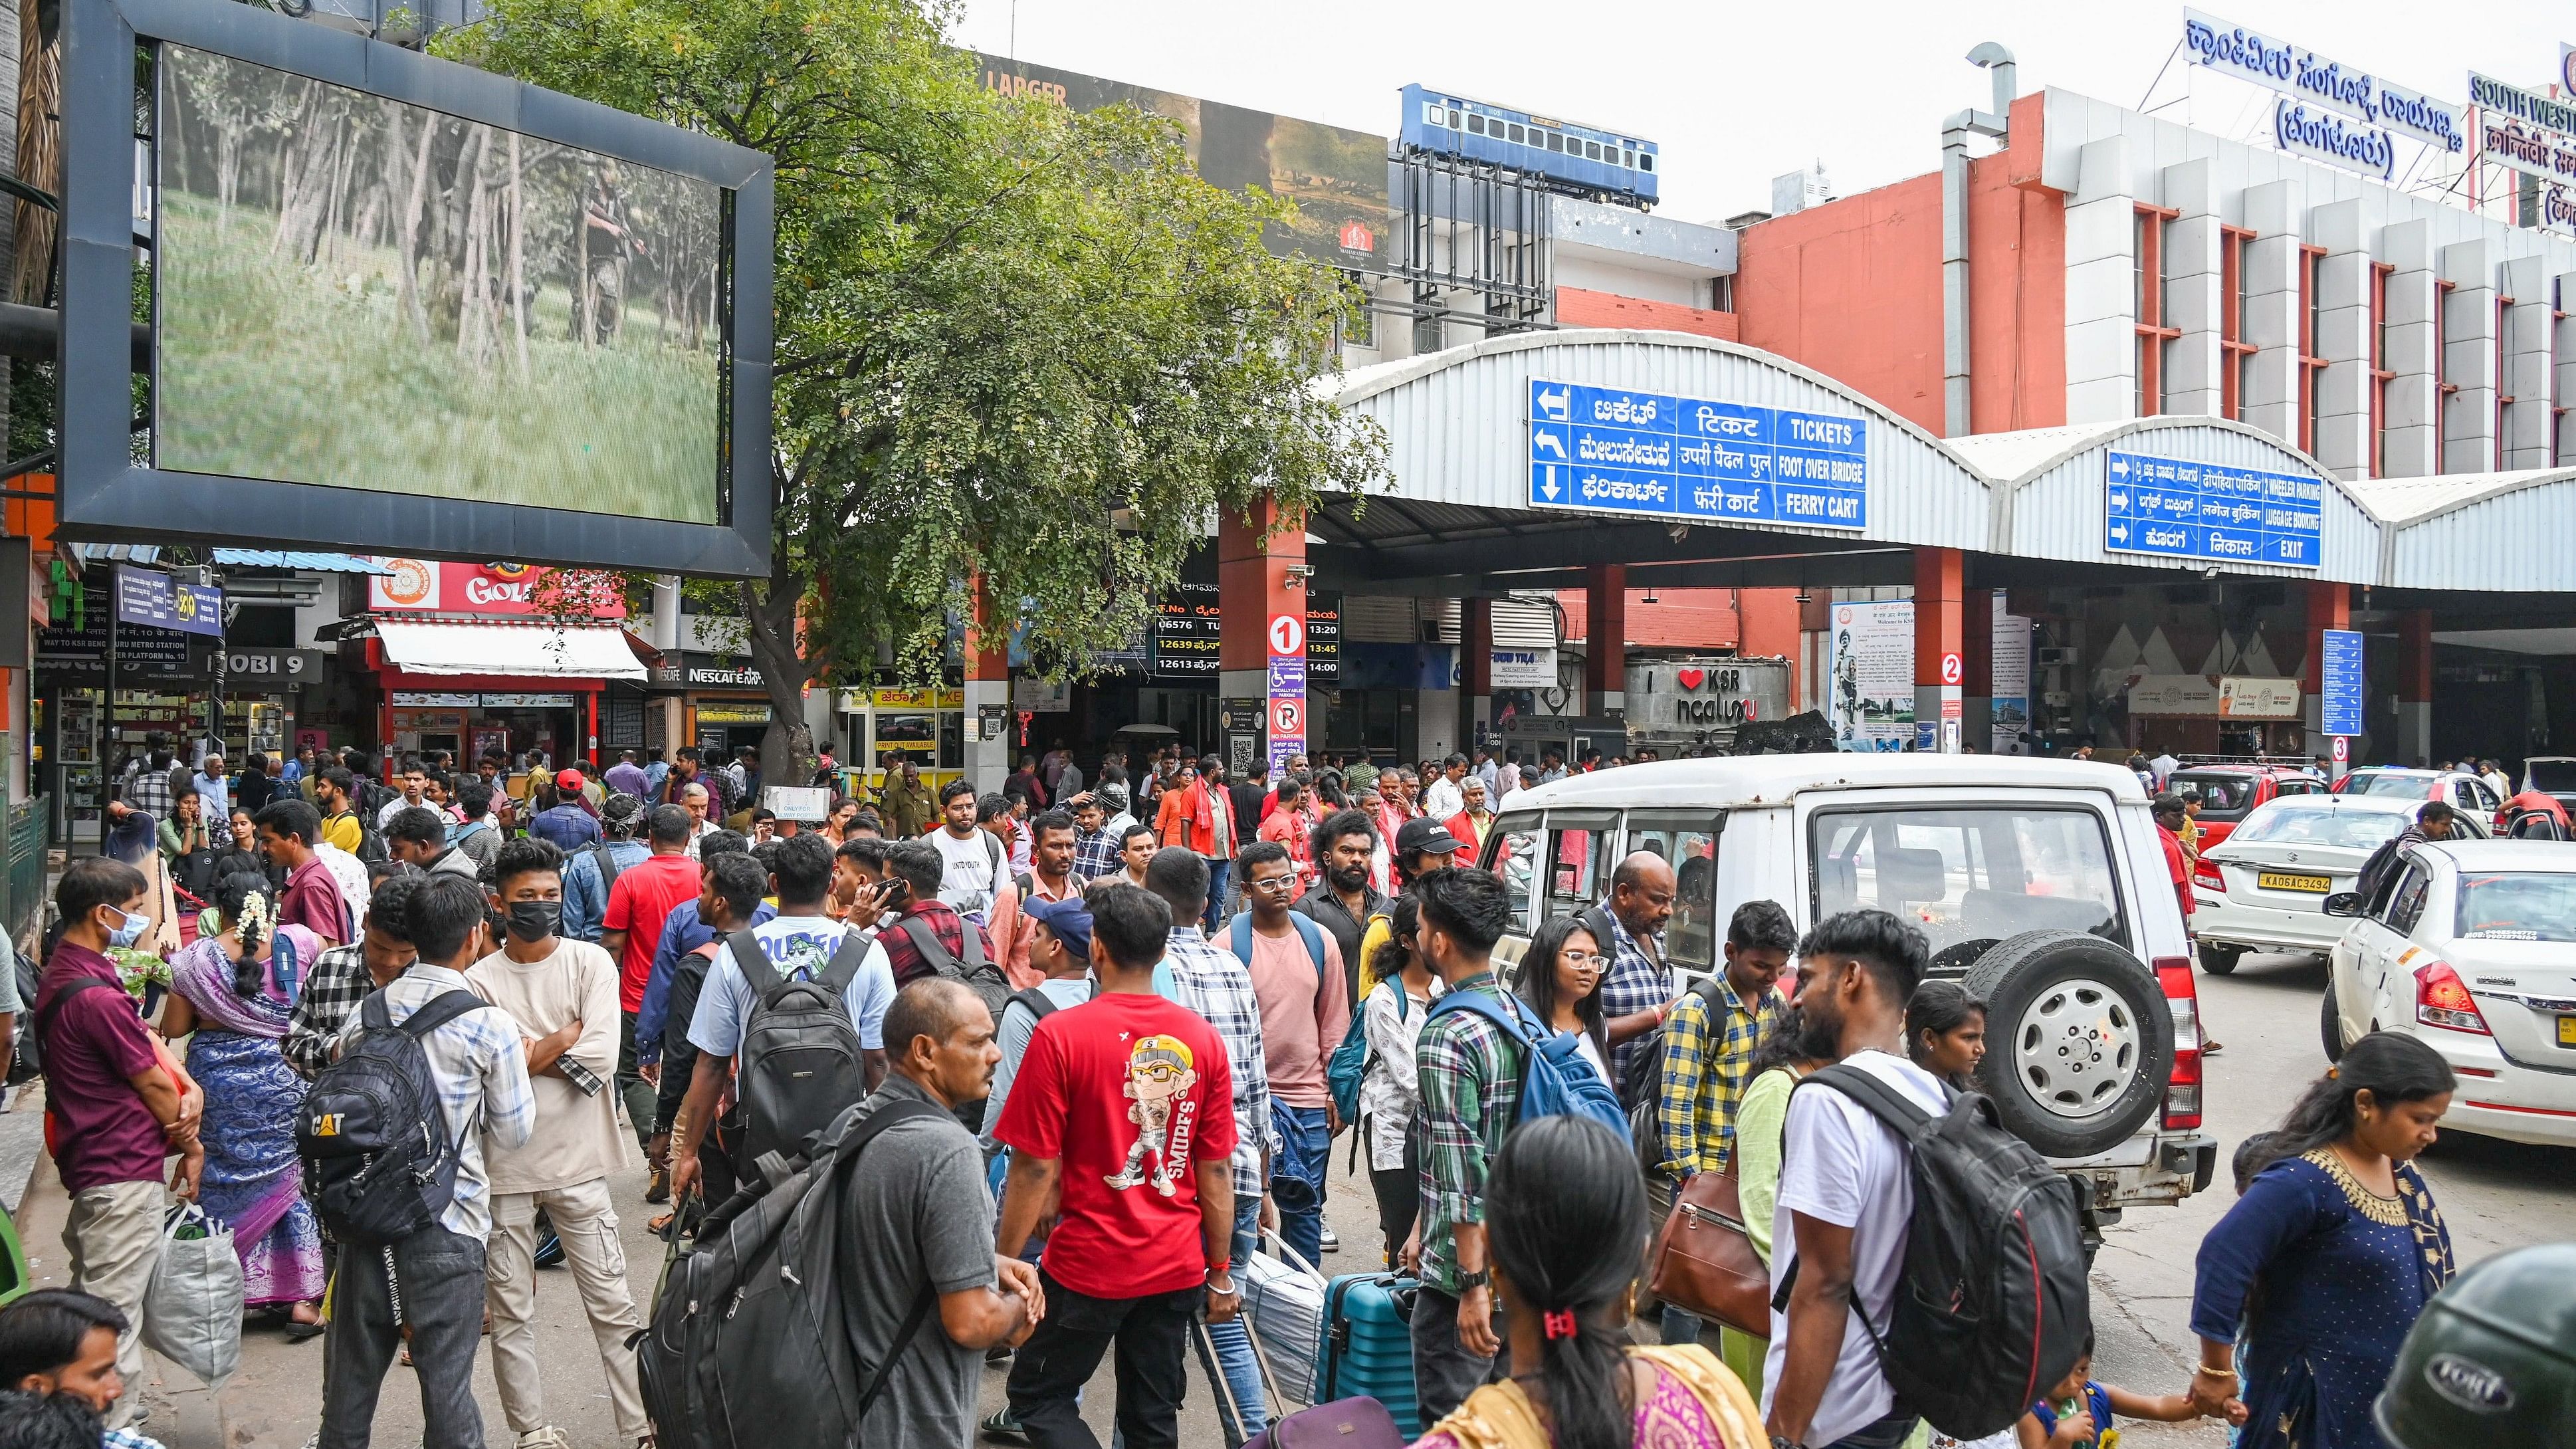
(409, 241)
(787, 751)
(581, 302)
(39, 162)
(518, 262)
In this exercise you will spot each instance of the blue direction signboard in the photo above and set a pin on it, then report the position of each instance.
(2339, 699)
(1609, 449)
(2177, 508)
(146, 597)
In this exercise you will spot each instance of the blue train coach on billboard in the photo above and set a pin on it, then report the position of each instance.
(1610, 449)
(1578, 159)
(2178, 508)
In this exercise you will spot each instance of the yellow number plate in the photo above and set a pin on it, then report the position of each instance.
(2274, 880)
(2567, 1031)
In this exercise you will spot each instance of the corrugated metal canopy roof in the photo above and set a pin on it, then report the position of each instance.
(2507, 532)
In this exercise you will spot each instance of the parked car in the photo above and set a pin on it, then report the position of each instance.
(2040, 883)
(2265, 889)
(2553, 776)
(2230, 792)
(2462, 790)
(2471, 947)
(2533, 815)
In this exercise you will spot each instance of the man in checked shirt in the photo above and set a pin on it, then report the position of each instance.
(343, 975)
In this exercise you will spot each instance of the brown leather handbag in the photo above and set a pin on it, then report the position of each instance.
(1705, 1265)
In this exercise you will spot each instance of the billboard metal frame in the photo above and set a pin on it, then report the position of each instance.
(106, 495)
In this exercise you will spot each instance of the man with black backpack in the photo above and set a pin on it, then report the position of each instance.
(411, 1241)
(800, 1002)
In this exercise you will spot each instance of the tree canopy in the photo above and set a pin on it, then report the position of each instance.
(1015, 344)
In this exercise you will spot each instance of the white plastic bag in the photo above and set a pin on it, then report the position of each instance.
(192, 1313)
(1283, 1296)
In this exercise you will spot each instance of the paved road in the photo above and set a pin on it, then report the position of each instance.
(2494, 1196)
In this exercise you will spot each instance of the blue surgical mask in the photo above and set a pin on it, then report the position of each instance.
(124, 936)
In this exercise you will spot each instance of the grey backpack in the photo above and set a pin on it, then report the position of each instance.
(800, 1065)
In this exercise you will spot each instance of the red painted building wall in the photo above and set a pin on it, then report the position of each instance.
(1576, 307)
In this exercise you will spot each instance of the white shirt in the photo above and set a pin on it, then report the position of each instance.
(2164, 766)
(1843, 1166)
(1443, 799)
(1510, 776)
(393, 807)
(968, 884)
(798, 946)
(1390, 1090)
(705, 829)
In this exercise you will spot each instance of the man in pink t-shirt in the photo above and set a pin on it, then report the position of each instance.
(1297, 976)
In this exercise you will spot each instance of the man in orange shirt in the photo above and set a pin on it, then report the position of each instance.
(1292, 826)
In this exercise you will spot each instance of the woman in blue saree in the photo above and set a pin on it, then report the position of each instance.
(233, 989)
(2328, 1257)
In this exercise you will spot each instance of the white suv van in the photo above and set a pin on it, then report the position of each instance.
(2040, 883)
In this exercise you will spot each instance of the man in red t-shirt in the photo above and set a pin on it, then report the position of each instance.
(1125, 1106)
(641, 897)
(2170, 815)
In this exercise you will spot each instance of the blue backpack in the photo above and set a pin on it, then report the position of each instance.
(1348, 1066)
(1556, 1079)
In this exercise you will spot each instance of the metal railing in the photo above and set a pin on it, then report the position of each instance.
(22, 909)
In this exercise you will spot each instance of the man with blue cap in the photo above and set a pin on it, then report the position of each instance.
(1060, 947)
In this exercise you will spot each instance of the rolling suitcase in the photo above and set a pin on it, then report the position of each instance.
(1368, 1345)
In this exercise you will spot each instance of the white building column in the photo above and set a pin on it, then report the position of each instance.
(2193, 300)
(2272, 302)
(2101, 287)
(2469, 357)
(2343, 339)
(2411, 447)
(2529, 429)
(2563, 287)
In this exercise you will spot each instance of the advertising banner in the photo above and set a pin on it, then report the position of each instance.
(1870, 661)
(2010, 704)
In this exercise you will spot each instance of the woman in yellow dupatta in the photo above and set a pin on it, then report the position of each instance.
(1565, 1221)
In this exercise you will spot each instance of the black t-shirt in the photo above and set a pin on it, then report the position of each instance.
(1247, 810)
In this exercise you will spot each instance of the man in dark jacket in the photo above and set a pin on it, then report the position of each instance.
(2432, 822)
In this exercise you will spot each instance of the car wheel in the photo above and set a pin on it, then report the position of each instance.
(2219, 960)
(2079, 1040)
(2330, 1024)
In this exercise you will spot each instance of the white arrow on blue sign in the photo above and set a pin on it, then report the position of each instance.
(1613, 450)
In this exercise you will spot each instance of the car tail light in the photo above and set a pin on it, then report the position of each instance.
(2205, 874)
(2443, 1000)
(2182, 1085)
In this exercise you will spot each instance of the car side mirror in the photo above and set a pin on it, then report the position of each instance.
(2343, 903)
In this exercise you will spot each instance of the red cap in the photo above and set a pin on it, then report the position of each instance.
(568, 780)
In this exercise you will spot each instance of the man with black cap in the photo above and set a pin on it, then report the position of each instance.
(1422, 845)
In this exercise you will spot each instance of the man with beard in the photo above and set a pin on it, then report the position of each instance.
(1347, 902)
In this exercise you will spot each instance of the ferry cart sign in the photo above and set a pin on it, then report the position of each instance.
(1606, 449)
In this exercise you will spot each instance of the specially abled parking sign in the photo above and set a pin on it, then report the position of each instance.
(2178, 508)
(1607, 449)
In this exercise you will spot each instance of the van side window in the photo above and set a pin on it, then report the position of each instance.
(1689, 844)
(1578, 862)
(1510, 851)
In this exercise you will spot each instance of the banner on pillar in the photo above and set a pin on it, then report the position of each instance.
(2009, 713)
(1285, 635)
(2340, 690)
(1869, 657)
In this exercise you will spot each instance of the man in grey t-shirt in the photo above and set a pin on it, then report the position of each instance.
(921, 1213)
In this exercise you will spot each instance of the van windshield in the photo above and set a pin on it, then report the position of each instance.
(1969, 877)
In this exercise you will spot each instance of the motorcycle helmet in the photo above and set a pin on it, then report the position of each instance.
(2492, 1361)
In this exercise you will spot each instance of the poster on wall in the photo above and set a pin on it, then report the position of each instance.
(1870, 659)
(2011, 702)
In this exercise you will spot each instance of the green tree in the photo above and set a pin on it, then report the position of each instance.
(1014, 344)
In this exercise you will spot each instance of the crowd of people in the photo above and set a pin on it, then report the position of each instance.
(1141, 1015)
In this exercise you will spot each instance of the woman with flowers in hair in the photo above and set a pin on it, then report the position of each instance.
(231, 994)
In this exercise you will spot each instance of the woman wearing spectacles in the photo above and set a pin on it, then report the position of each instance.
(1560, 981)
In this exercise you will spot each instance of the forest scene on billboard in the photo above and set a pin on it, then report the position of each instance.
(360, 293)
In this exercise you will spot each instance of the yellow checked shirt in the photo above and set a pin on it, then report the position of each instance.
(1704, 1078)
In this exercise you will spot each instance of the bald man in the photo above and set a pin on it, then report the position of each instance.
(1637, 991)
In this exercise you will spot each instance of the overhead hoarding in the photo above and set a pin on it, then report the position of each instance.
(2180, 508)
(1606, 449)
(429, 307)
(2528, 132)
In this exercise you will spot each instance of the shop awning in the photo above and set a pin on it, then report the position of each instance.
(534, 651)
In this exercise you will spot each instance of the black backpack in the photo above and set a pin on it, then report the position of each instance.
(377, 1158)
(371, 841)
(975, 973)
(749, 1344)
(1645, 1105)
(800, 1065)
(1992, 1305)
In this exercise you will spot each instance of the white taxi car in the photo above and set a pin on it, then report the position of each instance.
(2264, 887)
(2471, 947)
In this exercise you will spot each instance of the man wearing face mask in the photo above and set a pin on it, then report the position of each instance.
(563, 993)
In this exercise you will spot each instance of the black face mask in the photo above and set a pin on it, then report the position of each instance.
(535, 920)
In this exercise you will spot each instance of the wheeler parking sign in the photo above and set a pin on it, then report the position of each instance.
(1606, 449)
(2178, 508)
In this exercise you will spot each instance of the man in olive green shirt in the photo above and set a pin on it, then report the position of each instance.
(905, 802)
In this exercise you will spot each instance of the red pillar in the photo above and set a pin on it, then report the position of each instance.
(1977, 654)
(2329, 607)
(988, 687)
(1940, 618)
(1605, 638)
(1255, 588)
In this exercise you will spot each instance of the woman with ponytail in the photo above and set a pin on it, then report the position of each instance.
(2328, 1256)
(231, 994)
(1565, 1222)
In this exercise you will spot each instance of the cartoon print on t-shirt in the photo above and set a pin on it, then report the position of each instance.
(1159, 1077)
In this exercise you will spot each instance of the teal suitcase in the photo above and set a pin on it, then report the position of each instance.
(1368, 1345)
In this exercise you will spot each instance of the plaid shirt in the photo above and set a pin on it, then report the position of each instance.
(1095, 853)
(1703, 1080)
(148, 790)
(338, 982)
(1208, 980)
(1471, 1090)
(946, 927)
(480, 1064)
(1635, 982)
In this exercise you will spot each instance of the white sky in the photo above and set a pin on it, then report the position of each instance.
(1736, 92)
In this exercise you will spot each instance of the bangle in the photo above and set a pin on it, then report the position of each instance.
(2205, 1371)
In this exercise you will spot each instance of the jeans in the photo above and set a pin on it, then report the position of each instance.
(1234, 1352)
(1213, 914)
(1297, 1176)
(1887, 1433)
(1051, 1368)
(113, 1233)
(440, 1277)
(643, 1101)
(1444, 1372)
(1399, 1196)
(586, 1224)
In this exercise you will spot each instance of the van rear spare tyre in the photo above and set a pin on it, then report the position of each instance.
(2079, 1040)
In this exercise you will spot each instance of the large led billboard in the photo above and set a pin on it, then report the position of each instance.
(400, 305)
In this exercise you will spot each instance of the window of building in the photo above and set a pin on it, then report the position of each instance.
(2443, 387)
(2312, 368)
(2154, 339)
(2235, 354)
(2504, 373)
(2380, 372)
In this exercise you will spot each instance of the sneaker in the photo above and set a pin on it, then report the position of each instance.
(548, 1437)
(1000, 1425)
(1330, 1243)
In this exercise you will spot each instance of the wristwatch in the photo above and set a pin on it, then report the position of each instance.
(1783, 1441)
(1481, 1278)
